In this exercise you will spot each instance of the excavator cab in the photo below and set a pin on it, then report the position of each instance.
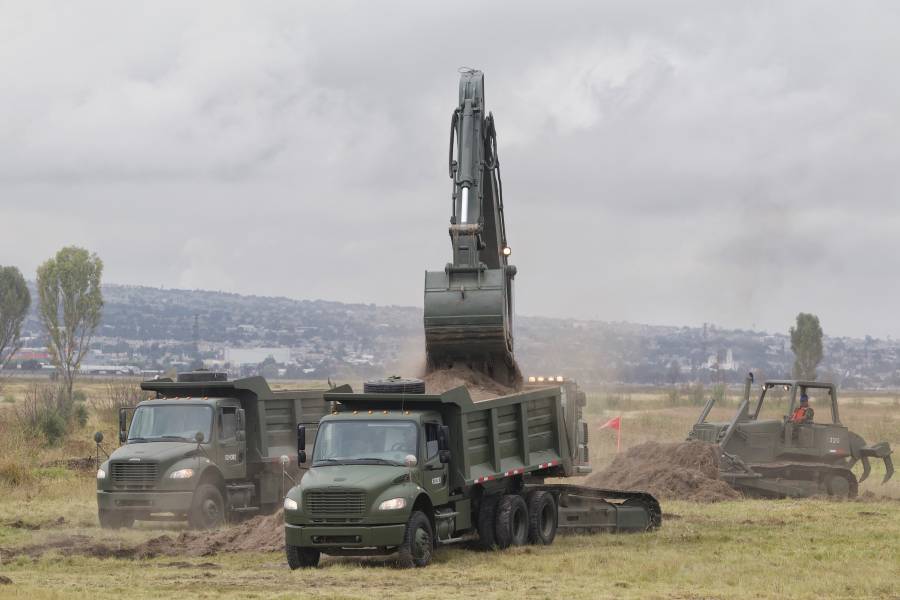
(469, 305)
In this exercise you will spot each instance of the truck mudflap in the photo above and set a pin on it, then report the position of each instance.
(589, 510)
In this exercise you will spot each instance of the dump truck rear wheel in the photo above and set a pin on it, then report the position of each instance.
(418, 542)
(207, 508)
(542, 518)
(512, 522)
(301, 557)
(487, 520)
(115, 519)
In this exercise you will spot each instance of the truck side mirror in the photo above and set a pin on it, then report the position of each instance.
(301, 444)
(240, 427)
(444, 444)
(123, 435)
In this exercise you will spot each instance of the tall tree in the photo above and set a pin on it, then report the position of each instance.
(806, 342)
(69, 303)
(14, 302)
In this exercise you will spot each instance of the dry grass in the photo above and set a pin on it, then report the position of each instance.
(743, 549)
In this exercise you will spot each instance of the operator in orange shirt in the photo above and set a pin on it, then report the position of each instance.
(804, 413)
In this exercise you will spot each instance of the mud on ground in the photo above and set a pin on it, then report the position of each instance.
(673, 471)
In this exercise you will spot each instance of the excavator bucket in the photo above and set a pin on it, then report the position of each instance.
(880, 450)
(469, 305)
(467, 317)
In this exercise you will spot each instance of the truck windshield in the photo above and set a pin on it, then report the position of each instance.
(169, 422)
(365, 442)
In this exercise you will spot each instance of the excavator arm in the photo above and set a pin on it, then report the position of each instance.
(469, 305)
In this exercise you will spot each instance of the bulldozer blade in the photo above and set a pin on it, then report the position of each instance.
(867, 468)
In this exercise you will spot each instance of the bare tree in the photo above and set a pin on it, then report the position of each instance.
(70, 303)
(15, 299)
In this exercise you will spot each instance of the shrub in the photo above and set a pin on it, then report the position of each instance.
(53, 427)
(80, 414)
(120, 393)
(15, 474)
(39, 413)
(79, 396)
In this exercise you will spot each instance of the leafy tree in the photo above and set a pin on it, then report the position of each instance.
(14, 302)
(70, 303)
(806, 343)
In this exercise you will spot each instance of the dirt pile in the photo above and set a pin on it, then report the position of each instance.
(259, 534)
(674, 471)
(481, 387)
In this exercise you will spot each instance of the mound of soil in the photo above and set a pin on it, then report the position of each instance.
(480, 386)
(675, 471)
(259, 534)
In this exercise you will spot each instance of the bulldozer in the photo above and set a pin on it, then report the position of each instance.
(780, 457)
(469, 305)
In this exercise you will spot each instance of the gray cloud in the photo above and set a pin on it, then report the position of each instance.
(710, 161)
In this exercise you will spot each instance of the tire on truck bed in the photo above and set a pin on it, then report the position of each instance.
(511, 528)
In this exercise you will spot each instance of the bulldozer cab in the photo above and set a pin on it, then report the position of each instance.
(781, 398)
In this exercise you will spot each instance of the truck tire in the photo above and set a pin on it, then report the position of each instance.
(114, 519)
(487, 520)
(542, 518)
(418, 542)
(207, 508)
(301, 557)
(512, 522)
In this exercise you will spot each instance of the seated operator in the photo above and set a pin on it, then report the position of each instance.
(803, 415)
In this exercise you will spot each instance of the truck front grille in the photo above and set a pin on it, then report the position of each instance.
(326, 503)
(135, 474)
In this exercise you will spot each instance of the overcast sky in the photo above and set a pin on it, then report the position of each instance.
(663, 162)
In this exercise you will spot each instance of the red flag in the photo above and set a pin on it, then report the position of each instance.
(614, 423)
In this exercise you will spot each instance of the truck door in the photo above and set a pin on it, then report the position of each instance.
(435, 473)
(232, 459)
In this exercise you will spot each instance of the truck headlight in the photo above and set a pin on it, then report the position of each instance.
(182, 474)
(101, 474)
(291, 504)
(393, 504)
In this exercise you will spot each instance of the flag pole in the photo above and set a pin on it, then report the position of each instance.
(619, 436)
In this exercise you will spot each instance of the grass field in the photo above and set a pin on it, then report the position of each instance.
(739, 549)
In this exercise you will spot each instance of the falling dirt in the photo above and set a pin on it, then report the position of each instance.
(480, 386)
(674, 471)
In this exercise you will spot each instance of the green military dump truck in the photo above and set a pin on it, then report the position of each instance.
(766, 451)
(397, 470)
(205, 449)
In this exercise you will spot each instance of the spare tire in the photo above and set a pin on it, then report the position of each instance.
(394, 385)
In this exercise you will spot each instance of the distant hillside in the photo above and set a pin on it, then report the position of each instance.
(159, 328)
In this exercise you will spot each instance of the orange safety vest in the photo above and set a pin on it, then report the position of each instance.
(799, 415)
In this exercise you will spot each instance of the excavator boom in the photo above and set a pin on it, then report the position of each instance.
(469, 305)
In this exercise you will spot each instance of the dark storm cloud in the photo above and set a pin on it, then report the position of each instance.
(662, 162)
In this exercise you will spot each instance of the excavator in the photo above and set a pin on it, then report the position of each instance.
(469, 305)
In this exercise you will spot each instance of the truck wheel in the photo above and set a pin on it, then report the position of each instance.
(487, 520)
(418, 542)
(114, 519)
(512, 522)
(542, 518)
(207, 508)
(301, 557)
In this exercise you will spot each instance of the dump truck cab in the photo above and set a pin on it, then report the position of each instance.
(204, 449)
(765, 451)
